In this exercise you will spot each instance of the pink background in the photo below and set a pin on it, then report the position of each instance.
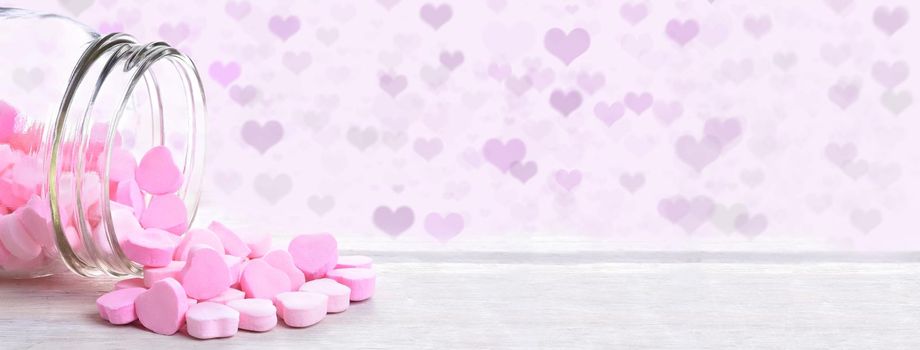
(751, 125)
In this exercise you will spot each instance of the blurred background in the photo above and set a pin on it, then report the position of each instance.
(551, 125)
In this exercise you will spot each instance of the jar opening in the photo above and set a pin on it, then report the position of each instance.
(122, 97)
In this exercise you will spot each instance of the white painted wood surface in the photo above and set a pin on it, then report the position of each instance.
(477, 301)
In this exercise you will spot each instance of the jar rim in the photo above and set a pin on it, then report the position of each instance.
(119, 52)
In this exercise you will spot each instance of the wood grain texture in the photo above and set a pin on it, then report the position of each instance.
(453, 301)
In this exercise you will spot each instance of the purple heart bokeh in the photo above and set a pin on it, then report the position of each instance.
(567, 46)
(393, 222)
(262, 136)
(526, 117)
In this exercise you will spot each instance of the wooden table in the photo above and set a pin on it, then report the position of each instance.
(527, 301)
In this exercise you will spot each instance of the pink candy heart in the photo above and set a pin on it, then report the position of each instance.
(314, 254)
(205, 274)
(233, 244)
(152, 247)
(128, 193)
(339, 295)
(257, 315)
(283, 261)
(15, 238)
(157, 173)
(117, 306)
(166, 212)
(301, 309)
(162, 308)
(195, 237)
(362, 282)
(346, 261)
(154, 274)
(261, 280)
(211, 320)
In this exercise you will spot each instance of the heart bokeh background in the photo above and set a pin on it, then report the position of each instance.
(665, 125)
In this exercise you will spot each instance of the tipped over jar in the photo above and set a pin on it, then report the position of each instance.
(77, 112)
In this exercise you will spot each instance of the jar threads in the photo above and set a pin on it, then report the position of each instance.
(111, 55)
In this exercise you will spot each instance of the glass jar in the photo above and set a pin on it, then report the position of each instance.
(70, 99)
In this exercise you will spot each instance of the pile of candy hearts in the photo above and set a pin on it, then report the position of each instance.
(213, 281)
(215, 293)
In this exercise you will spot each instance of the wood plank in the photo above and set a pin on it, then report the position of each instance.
(431, 302)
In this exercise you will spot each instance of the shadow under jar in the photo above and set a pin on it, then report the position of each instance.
(70, 99)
